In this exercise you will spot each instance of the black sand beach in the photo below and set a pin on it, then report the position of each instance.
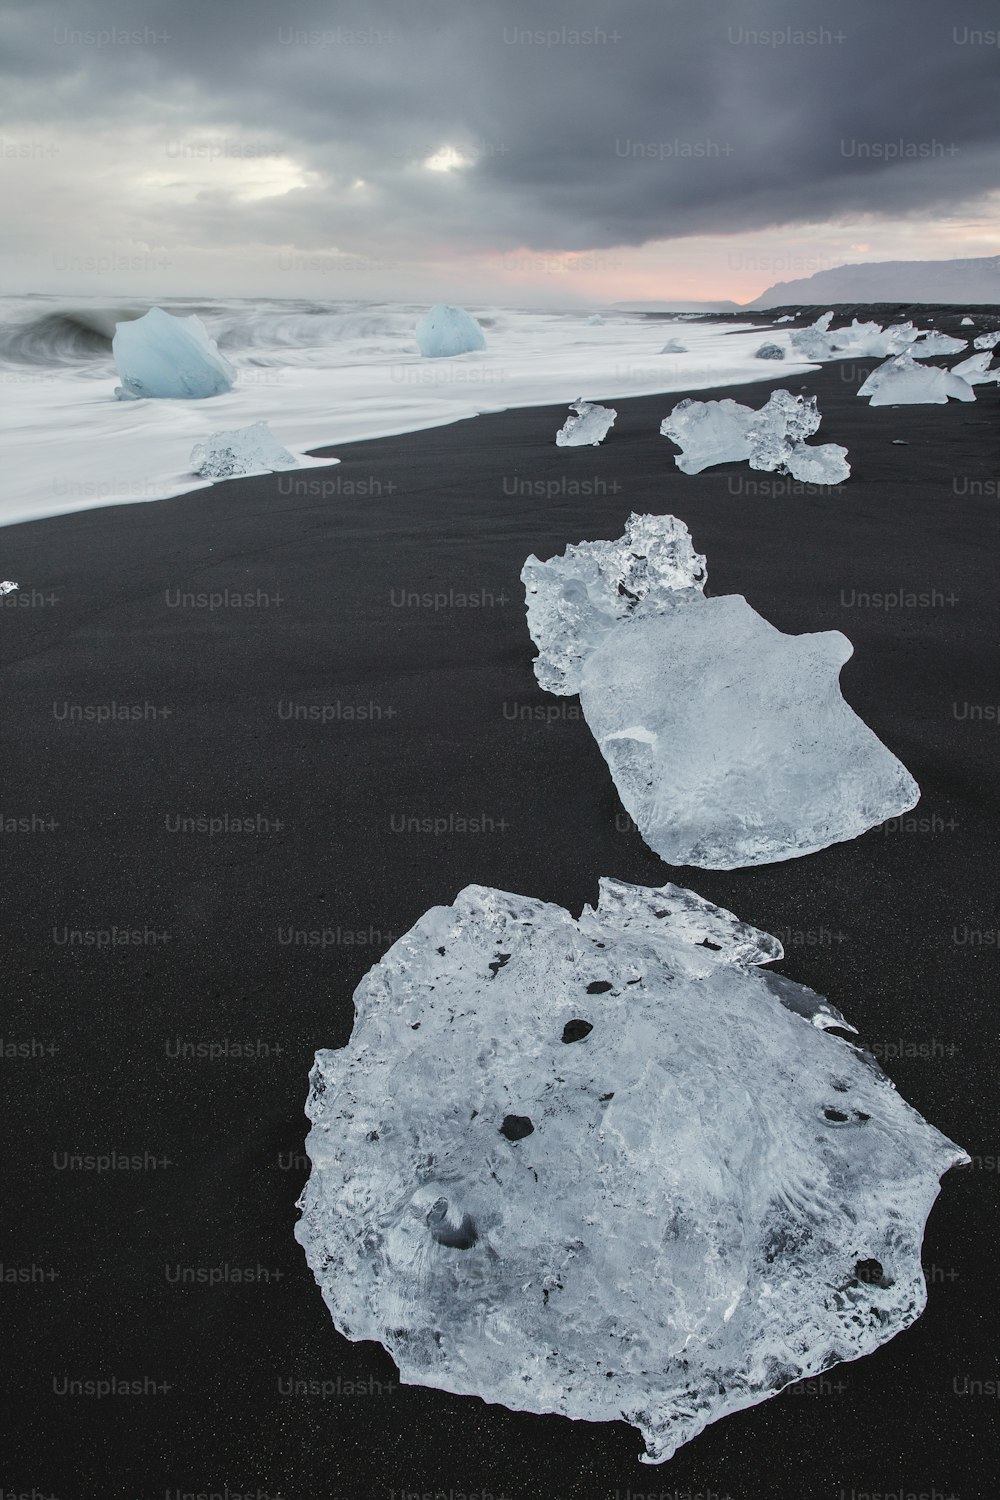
(336, 711)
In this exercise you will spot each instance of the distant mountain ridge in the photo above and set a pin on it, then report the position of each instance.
(973, 282)
(680, 305)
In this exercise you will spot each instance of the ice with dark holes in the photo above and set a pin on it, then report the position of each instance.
(729, 742)
(610, 1166)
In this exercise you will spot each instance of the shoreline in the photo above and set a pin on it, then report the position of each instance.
(341, 811)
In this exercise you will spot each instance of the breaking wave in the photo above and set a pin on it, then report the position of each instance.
(57, 335)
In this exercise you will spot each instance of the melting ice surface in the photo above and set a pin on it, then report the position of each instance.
(160, 355)
(611, 1166)
(716, 432)
(245, 450)
(445, 331)
(902, 381)
(590, 424)
(729, 742)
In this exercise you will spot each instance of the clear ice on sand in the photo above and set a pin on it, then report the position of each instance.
(163, 356)
(590, 424)
(771, 439)
(610, 1166)
(729, 742)
(904, 381)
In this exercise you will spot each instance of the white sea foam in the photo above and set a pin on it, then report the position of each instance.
(320, 374)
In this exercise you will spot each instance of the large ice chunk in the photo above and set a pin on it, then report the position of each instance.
(937, 343)
(769, 351)
(591, 424)
(976, 369)
(244, 450)
(903, 381)
(160, 355)
(772, 439)
(445, 330)
(575, 599)
(610, 1166)
(987, 340)
(729, 742)
(708, 432)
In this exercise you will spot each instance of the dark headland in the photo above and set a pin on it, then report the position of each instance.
(155, 1131)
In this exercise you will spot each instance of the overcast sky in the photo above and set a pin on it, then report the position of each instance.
(491, 149)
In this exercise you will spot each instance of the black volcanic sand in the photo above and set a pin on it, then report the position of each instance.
(898, 928)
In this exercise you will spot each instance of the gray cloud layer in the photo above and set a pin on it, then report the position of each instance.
(663, 119)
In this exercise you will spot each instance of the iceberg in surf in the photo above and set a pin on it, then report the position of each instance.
(163, 356)
(772, 439)
(244, 450)
(769, 351)
(610, 1166)
(729, 742)
(590, 424)
(673, 346)
(444, 331)
(903, 381)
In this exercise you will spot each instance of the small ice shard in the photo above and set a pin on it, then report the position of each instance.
(788, 318)
(245, 450)
(591, 424)
(976, 369)
(820, 463)
(772, 439)
(672, 346)
(987, 340)
(163, 356)
(903, 381)
(575, 599)
(445, 330)
(7, 586)
(610, 1166)
(966, 323)
(769, 351)
(729, 742)
(937, 343)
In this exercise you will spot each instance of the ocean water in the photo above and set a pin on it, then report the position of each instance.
(319, 373)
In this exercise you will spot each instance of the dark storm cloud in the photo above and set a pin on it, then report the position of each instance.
(618, 124)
